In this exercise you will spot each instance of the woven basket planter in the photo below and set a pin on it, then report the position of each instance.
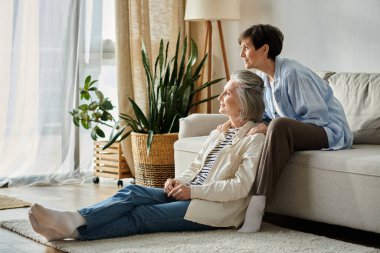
(153, 170)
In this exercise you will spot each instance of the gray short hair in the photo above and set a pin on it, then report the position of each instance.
(250, 92)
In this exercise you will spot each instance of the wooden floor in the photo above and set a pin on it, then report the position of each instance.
(71, 197)
(67, 197)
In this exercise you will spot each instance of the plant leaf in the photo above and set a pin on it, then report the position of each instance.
(204, 100)
(200, 66)
(193, 54)
(104, 116)
(87, 82)
(125, 135)
(166, 52)
(99, 132)
(149, 141)
(100, 95)
(139, 114)
(83, 107)
(181, 69)
(113, 130)
(205, 85)
(106, 105)
(150, 89)
(114, 138)
(84, 95)
(76, 121)
(175, 63)
(134, 124)
(173, 123)
(161, 56)
(90, 84)
(85, 123)
(93, 134)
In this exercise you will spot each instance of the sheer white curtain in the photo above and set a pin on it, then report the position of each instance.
(46, 49)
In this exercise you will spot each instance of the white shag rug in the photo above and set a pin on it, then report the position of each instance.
(271, 238)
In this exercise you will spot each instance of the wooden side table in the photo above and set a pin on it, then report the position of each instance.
(110, 163)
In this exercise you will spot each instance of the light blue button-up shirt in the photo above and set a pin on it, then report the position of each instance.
(302, 95)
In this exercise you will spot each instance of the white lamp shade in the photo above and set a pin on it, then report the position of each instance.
(212, 10)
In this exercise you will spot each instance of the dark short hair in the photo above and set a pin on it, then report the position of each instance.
(250, 92)
(265, 34)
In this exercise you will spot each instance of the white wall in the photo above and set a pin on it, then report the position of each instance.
(336, 35)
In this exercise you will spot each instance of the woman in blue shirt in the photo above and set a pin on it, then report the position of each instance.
(301, 112)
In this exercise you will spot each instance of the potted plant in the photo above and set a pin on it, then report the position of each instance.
(94, 113)
(171, 88)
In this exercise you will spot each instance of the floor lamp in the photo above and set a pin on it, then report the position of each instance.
(209, 11)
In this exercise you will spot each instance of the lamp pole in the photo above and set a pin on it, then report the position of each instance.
(208, 11)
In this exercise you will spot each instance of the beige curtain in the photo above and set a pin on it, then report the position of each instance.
(149, 20)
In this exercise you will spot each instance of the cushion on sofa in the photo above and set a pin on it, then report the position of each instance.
(325, 75)
(359, 94)
(361, 159)
(198, 124)
(186, 150)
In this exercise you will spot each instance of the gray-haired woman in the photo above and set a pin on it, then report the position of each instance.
(213, 192)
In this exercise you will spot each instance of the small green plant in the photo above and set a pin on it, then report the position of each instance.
(171, 88)
(95, 112)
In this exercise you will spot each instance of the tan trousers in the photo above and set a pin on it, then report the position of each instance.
(284, 136)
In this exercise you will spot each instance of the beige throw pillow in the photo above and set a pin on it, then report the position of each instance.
(359, 94)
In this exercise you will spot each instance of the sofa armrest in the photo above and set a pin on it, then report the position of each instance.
(198, 124)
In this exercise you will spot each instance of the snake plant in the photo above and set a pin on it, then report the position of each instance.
(171, 88)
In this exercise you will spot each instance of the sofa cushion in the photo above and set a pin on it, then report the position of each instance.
(359, 94)
(325, 75)
(361, 159)
(345, 199)
(185, 151)
(199, 124)
(191, 144)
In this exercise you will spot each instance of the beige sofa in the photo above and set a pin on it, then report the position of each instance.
(335, 187)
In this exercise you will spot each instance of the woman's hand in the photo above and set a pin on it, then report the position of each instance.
(259, 128)
(170, 184)
(180, 192)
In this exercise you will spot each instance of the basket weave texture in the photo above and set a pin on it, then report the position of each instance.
(153, 170)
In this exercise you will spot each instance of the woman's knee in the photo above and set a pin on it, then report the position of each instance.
(132, 190)
(279, 124)
(133, 187)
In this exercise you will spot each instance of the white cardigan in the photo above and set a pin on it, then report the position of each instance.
(223, 198)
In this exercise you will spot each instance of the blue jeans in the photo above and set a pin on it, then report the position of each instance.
(136, 210)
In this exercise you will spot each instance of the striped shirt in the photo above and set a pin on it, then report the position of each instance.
(211, 157)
